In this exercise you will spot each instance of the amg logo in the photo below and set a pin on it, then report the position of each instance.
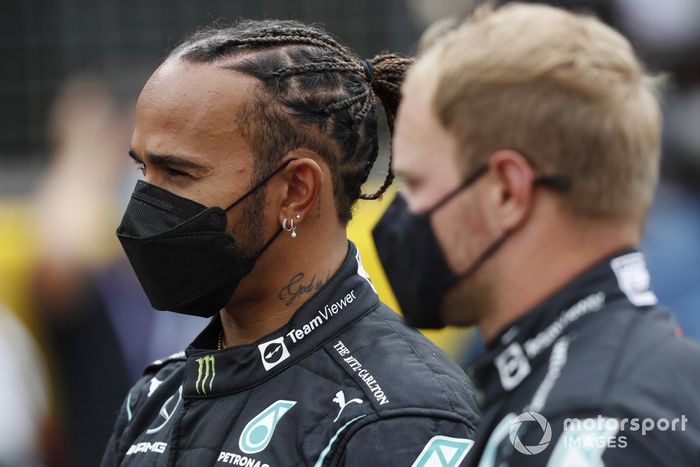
(206, 372)
(158, 447)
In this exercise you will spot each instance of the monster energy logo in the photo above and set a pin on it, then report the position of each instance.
(206, 371)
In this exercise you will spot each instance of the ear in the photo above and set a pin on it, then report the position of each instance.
(512, 192)
(304, 179)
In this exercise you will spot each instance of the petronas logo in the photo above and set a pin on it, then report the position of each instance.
(206, 372)
(258, 432)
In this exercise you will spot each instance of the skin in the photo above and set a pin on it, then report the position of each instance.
(187, 140)
(549, 246)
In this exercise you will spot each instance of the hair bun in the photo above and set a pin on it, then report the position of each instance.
(385, 74)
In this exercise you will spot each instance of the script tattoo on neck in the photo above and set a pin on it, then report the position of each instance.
(296, 287)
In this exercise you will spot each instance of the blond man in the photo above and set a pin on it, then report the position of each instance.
(528, 141)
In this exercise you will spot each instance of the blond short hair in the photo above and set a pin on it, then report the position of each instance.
(565, 90)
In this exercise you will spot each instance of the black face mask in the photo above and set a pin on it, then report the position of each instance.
(414, 262)
(180, 251)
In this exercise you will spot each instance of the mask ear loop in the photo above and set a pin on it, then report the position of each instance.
(555, 182)
(258, 185)
(485, 254)
(261, 183)
(478, 173)
(269, 242)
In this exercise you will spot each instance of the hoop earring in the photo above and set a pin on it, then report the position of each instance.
(291, 228)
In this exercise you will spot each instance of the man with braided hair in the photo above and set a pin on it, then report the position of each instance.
(254, 142)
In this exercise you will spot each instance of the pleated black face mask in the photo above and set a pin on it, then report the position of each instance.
(180, 251)
(414, 262)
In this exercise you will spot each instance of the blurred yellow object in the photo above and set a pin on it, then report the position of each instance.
(17, 256)
(366, 215)
(21, 249)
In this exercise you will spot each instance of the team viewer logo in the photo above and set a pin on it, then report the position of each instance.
(443, 451)
(273, 353)
(258, 432)
(206, 372)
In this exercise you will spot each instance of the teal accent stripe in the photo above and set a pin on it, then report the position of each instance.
(128, 408)
(325, 452)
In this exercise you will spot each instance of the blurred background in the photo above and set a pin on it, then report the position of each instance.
(75, 327)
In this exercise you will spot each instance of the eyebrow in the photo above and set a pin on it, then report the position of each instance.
(170, 160)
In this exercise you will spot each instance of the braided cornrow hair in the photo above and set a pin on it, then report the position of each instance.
(317, 95)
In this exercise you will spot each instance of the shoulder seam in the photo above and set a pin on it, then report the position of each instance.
(157, 364)
(413, 350)
(615, 367)
(429, 415)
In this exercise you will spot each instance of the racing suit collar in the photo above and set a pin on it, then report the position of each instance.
(524, 344)
(345, 298)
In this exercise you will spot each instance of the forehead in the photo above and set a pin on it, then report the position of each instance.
(424, 147)
(191, 109)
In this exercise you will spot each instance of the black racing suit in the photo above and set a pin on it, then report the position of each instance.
(345, 382)
(580, 379)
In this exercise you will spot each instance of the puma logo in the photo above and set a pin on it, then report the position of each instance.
(340, 400)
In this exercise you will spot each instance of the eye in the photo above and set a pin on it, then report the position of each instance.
(175, 173)
(141, 167)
